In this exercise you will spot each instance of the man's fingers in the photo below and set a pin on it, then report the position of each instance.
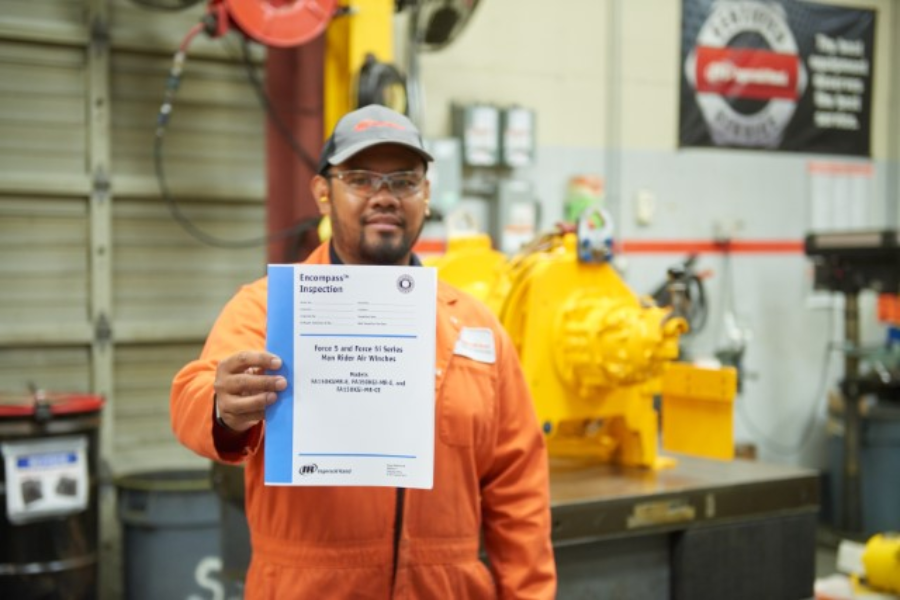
(243, 390)
(253, 418)
(242, 412)
(249, 359)
(248, 405)
(249, 385)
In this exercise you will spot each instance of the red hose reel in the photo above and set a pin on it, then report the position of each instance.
(278, 23)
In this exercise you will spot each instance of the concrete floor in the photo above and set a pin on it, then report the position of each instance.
(826, 556)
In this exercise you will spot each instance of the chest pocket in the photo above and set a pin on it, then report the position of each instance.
(467, 402)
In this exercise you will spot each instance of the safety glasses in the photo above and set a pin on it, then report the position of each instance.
(401, 184)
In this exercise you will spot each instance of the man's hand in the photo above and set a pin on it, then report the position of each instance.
(244, 390)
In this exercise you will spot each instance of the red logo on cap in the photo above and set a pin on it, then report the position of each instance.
(370, 123)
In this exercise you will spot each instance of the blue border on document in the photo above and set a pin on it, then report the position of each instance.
(279, 441)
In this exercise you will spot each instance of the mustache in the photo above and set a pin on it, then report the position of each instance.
(383, 217)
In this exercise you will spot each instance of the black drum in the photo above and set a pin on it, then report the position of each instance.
(52, 555)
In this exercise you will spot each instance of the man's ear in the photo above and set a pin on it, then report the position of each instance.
(321, 191)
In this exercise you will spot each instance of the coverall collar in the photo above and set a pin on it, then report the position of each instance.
(336, 260)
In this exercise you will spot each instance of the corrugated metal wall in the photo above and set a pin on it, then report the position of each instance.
(44, 222)
(86, 239)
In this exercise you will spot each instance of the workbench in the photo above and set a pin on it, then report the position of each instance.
(701, 530)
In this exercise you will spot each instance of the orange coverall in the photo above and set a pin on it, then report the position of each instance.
(490, 476)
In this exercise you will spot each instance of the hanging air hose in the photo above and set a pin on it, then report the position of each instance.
(381, 83)
(685, 292)
(290, 27)
(173, 82)
(172, 5)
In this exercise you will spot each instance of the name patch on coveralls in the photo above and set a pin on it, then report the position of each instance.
(476, 343)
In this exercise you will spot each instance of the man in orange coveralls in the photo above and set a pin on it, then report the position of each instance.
(490, 461)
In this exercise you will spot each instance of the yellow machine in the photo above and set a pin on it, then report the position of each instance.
(881, 560)
(594, 353)
(366, 32)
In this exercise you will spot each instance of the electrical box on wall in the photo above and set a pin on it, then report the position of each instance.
(445, 173)
(517, 125)
(478, 126)
(516, 215)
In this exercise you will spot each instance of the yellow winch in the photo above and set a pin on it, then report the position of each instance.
(881, 559)
(594, 353)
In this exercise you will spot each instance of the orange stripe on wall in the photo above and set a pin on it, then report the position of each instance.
(439, 246)
(835, 168)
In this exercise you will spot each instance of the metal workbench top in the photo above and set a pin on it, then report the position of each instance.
(596, 501)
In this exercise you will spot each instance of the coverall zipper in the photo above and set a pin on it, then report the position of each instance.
(398, 529)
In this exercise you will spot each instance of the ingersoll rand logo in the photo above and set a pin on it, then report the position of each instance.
(308, 469)
(747, 91)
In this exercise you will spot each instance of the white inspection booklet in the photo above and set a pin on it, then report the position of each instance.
(358, 347)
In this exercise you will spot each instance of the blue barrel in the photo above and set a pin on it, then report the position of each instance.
(52, 556)
(878, 460)
(171, 539)
(228, 482)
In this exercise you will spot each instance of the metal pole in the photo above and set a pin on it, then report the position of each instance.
(100, 213)
(613, 185)
(295, 88)
(414, 94)
(893, 119)
(852, 513)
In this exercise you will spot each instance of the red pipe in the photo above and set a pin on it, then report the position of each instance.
(295, 85)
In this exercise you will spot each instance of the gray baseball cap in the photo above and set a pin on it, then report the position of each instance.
(366, 127)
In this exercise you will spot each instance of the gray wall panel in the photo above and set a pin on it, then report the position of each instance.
(167, 286)
(144, 438)
(42, 112)
(57, 369)
(44, 221)
(214, 143)
(46, 20)
(165, 278)
(138, 27)
(43, 267)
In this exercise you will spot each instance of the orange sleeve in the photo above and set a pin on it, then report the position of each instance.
(516, 490)
(240, 326)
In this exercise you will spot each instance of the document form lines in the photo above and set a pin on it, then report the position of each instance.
(396, 304)
(357, 454)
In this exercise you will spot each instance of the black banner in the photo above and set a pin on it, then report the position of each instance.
(776, 75)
